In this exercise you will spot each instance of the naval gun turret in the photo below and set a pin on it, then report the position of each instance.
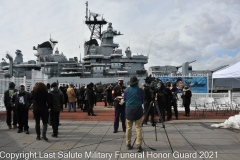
(186, 69)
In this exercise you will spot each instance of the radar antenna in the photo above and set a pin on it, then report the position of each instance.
(94, 25)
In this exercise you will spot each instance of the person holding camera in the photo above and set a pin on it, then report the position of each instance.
(168, 100)
(174, 91)
(146, 102)
(119, 108)
(8, 94)
(133, 97)
(186, 96)
(22, 103)
(162, 100)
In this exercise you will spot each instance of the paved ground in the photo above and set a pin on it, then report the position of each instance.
(190, 139)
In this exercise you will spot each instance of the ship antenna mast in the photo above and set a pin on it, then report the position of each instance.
(129, 42)
(86, 10)
(149, 48)
(80, 54)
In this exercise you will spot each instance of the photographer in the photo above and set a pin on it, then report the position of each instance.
(162, 99)
(168, 100)
(119, 108)
(147, 100)
(8, 94)
(174, 91)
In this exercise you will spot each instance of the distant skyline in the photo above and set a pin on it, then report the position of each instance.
(171, 32)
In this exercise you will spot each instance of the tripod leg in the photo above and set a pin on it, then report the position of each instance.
(147, 113)
(154, 120)
(160, 115)
(163, 125)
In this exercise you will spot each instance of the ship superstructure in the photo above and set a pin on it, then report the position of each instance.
(104, 60)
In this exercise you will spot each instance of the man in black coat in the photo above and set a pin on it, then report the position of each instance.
(56, 101)
(147, 100)
(22, 102)
(168, 95)
(8, 94)
(91, 97)
(186, 96)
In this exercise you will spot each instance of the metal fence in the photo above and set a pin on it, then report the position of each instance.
(4, 83)
(28, 83)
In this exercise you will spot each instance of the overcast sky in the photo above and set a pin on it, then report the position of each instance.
(171, 32)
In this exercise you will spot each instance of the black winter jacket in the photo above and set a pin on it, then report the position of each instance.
(40, 101)
(147, 95)
(8, 98)
(56, 100)
(91, 96)
(187, 97)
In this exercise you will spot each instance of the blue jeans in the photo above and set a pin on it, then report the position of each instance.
(73, 105)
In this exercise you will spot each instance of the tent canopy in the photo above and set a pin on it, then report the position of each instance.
(230, 72)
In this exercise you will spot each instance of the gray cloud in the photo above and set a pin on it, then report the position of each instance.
(173, 31)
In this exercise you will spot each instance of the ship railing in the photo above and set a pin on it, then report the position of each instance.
(4, 83)
(1, 102)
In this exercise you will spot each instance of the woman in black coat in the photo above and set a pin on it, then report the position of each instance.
(40, 108)
(186, 96)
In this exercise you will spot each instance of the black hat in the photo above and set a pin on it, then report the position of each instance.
(91, 84)
(12, 85)
(133, 80)
(54, 84)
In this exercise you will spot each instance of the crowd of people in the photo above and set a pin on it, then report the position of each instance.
(46, 102)
(130, 103)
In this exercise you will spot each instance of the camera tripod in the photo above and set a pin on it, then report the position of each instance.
(154, 105)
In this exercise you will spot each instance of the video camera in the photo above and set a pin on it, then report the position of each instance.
(155, 85)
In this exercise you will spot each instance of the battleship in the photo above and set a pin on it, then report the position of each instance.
(102, 63)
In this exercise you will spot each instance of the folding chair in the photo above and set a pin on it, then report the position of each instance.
(237, 105)
(209, 104)
(199, 105)
(222, 106)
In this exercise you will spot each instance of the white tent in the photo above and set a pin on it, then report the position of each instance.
(230, 72)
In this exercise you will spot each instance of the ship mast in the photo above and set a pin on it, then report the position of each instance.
(94, 25)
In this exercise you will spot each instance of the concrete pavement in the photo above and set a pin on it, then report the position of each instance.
(190, 139)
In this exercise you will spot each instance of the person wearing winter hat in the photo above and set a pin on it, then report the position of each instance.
(8, 94)
(91, 99)
(133, 97)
